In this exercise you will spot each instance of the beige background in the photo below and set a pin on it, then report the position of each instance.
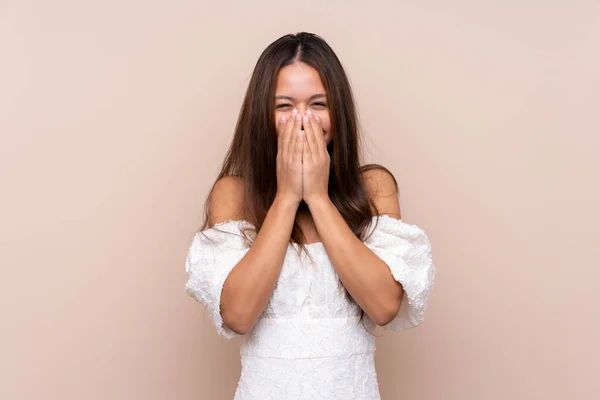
(114, 120)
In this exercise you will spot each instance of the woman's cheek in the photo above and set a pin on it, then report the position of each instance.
(325, 123)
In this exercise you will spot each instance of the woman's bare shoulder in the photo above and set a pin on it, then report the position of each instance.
(226, 200)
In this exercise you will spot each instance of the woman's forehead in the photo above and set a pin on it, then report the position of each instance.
(299, 81)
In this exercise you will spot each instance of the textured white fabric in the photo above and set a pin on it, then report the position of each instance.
(309, 342)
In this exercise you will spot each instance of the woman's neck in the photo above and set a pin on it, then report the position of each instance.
(303, 211)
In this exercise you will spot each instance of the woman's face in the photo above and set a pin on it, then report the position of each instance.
(299, 86)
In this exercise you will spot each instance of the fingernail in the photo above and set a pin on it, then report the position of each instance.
(283, 118)
(300, 133)
(308, 112)
(298, 117)
(317, 118)
(306, 118)
(294, 112)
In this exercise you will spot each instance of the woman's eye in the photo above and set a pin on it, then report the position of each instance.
(283, 106)
(320, 104)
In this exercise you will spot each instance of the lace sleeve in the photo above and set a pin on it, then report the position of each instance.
(209, 261)
(406, 250)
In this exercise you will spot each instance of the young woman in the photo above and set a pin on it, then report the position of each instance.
(300, 243)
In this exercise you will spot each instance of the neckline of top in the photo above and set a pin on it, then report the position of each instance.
(313, 244)
(381, 216)
(308, 245)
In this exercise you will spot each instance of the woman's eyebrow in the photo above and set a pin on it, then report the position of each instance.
(313, 97)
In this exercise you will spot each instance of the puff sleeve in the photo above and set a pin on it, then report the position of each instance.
(208, 263)
(406, 249)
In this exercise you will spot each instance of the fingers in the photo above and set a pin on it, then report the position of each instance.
(319, 137)
(290, 143)
(292, 146)
(309, 144)
(286, 134)
(294, 129)
(299, 147)
(280, 129)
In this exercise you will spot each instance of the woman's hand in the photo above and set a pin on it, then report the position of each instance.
(289, 157)
(315, 161)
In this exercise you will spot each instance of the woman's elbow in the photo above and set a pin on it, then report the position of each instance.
(387, 314)
(238, 323)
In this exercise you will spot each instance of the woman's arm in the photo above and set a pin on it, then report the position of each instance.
(364, 274)
(249, 286)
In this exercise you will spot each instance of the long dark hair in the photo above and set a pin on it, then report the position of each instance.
(252, 154)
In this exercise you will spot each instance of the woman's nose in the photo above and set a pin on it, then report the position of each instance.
(301, 109)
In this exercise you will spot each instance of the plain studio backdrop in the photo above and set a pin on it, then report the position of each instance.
(115, 117)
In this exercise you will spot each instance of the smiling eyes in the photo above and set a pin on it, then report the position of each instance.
(287, 106)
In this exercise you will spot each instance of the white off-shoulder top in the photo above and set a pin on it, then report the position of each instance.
(308, 342)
